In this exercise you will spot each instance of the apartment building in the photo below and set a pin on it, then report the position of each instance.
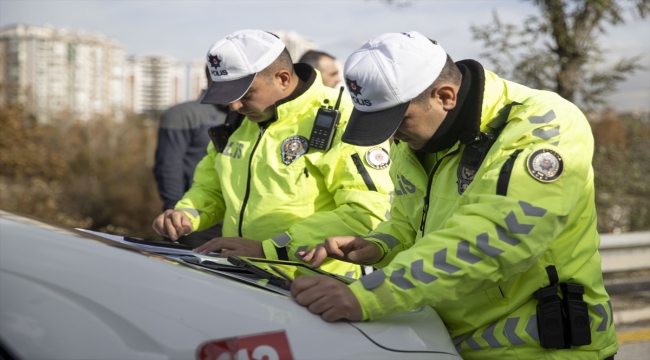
(56, 72)
(153, 83)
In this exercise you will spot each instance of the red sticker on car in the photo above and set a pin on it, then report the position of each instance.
(267, 346)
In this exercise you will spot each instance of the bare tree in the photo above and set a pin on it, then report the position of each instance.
(559, 50)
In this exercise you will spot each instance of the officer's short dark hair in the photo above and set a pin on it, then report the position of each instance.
(448, 74)
(283, 62)
(312, 57)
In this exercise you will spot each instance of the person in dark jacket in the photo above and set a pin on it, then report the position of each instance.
(182, 142)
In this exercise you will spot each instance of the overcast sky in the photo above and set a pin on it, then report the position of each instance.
(186, 29)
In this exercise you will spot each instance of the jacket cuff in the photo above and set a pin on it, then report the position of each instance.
(194, 216)
(375, 302)
(270, 251)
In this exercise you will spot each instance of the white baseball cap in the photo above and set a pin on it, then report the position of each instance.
(235, 60)
(383, 76)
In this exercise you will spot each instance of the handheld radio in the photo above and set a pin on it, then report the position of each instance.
(325, 125)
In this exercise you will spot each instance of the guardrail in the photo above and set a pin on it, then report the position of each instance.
(625, 252)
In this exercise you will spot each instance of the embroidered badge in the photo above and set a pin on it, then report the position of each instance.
(378, 158)
(293, 147)
(465, 176)
(545, 165)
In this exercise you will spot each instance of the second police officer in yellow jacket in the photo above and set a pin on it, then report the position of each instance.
(275, 194)
(493, 223)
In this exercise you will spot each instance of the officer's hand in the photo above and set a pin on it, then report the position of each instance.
(232, 246)
(327, 297)
(172, 224)
(347, 248)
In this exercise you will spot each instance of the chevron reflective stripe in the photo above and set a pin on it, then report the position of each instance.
(472, 343)
(387, 239)
(488, 336)
(397, 278)
(440, 262)
(193, 212)
(530, 210)
(544, 119)
(464, 254)
(509, 331)
(417, 272)
(515, 227)
(457, 341)
(281, 239)
(301, 248)
(601, 310)
(531, 327)
(611, 312)
(373, 279)
(503, 236)
(482, 244)
(547, 134)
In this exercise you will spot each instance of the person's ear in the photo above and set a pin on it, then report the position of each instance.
(447, 96)
(283, 79)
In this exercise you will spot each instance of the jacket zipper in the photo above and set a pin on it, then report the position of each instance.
(425, 208)
(248, 181)
(364, 173)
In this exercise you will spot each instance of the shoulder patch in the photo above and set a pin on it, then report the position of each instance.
(377, 157)
(545, 165)
(293, 147)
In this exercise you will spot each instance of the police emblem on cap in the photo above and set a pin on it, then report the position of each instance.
(353, 86)
(377, 158)
(465, 176)
(214, 61)
(293, 147)
(545, 165)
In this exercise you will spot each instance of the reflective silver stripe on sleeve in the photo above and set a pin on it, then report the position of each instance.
(417, 271)
(503, 236)
(301, 248)
(350, 274)
(440, 262)
(281, 239)
(531, 327)
(464, 254)
(488, 336)
(373, 280)
(544, 119)
(509, 331)
(547, 134)
(611, 312)
(515, 227)
(482, 244)
(531, 210)
(193, 212)
(601, 310)
(387, 239)
(457, 341)
(397, 278)
(472, 343)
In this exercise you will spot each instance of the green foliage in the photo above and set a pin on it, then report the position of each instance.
(94, 174)
(558, 50)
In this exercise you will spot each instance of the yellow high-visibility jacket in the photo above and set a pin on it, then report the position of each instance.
(483, 255)
(264, 189)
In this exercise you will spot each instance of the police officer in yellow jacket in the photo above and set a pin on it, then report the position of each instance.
(276, 191)
(493, 223)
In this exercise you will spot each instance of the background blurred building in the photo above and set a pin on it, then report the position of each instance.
(153, 83)
(197, 79)
(57, 72)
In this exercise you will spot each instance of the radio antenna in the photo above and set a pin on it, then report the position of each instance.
(338, 101)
